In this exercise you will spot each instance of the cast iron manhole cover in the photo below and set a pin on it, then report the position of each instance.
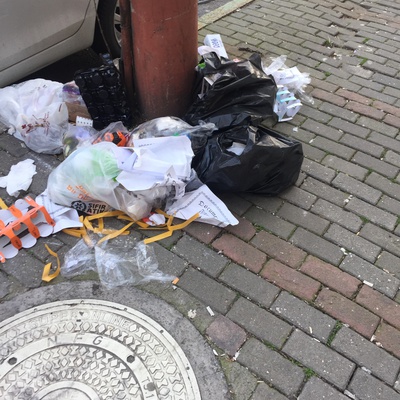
(91, 350)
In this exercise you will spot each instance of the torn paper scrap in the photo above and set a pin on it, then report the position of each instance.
(19, 178)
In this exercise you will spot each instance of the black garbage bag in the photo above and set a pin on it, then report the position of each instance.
(249, 159)
(232, 91)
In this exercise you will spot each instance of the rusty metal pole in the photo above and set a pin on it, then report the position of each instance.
(165, 55)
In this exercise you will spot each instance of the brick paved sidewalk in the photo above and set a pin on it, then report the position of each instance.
(305, 289)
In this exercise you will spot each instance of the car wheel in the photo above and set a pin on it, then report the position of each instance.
(108, 28)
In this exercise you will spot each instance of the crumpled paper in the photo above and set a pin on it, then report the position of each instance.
(19, 178)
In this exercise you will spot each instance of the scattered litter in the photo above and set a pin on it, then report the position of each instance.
(236, 355)
(344, 251)
(215, 352)
(19, 178)
(368, 371)
(175, 281)
(192, 314)
(210, 311)
(349, 394)
(368, 283)
(373, 337)
(311, 331)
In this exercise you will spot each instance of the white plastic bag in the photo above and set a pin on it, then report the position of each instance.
(35, 113)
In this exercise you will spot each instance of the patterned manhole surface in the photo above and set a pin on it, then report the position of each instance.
(91, 350)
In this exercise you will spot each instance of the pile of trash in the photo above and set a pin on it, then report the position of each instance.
(174, 165)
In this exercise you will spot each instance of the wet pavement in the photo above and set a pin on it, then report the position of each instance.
(305, 290)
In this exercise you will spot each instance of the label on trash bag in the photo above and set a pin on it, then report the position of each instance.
(90, 207)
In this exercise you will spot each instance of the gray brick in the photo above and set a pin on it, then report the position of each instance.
(352, 242)
(366, 354)
(318, 171)
(316, 115)
(349, 127)
(389, 204)
(303, 218)
(365, 271)
(378, 127)
(324, 361)
(270, 222)
(372, 213)
(358, 70)
(337, 214)
(264, 392)
(392, 158)
(302, 315)
(365, 387)
(250, 285)
(261, 323)
(390, 143)
(312, 153)
(381, 237)
(317, 246)
(235, 203)
(333, 147)
(390, 263)
(271, 204)
(271, 367)
(338, 112)
(345, 166)
(363, 145)
(343, 83)
(317, 389)
(322, 129)
(376, 95)
(324, 191)
(212, 293)
(375, 164)
(383, 184)
(200, 256)
(242, 382)
(386, 80)
(299, 197)
(356, 188)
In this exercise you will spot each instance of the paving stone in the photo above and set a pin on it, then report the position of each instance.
(4, 285)
(348, 312)
(380, 305)
(352, 242)
(318, 171)
(392, 157)
(383, 140)
(244, 229)
(330, 276)
(366, 354)
(381, 237)
(236, 204)
(264, 392)
(376, 127)
(320, 358)
(333, 147)
(271, 367)
(365, 387)
(389, 263)
(226, 335)
(389, 204)
(261, 323)
(322, 129)
(356, 188)
(200, 256)
(317, 246)
(168, 262)
(384, 184)
(203, 232)
(372, 213)
(366, 147)
(299, 197)
(291, 280)
(344, 166)
(365, 271)
(271, 204)
(270, 222)
(279, 249)
(317, 389)
(324, 191)
(337, 214)
(303, 218)
(304, 316)
(250, 285)
(373, 163)
(348, 127)
(240, 252)
(389, 338)
(212, 293)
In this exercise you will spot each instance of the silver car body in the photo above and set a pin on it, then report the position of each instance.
(36, 33)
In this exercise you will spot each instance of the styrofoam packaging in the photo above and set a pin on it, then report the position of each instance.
(215, 42)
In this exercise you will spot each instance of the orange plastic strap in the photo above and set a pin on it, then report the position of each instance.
(46, 275)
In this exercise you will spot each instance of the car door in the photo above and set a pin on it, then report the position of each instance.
(29, 27)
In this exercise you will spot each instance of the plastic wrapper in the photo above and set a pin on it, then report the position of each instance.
(229, 92)
(35, 113)
(80, 136)
(173, 126)
(119, 263)
(249, 159)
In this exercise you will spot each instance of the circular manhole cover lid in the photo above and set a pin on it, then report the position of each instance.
(91, 350)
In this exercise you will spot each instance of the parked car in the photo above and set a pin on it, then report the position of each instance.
(34, 34)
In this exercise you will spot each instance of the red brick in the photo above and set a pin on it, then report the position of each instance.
(347, 311)
(244, 229)
(328, 96)
(279, 249)
(330, 276)
(387, 108)
(365, 110)
(389, 338)
(203, 232)
(240, 252)
(353, 96)
(380, 305)
(392, 120)
(290, 280)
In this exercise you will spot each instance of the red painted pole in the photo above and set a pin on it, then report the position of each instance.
(165, 55)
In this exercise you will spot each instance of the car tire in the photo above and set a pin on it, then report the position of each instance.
(108, 29)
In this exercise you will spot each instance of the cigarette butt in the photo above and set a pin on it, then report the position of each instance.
(175, 281)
